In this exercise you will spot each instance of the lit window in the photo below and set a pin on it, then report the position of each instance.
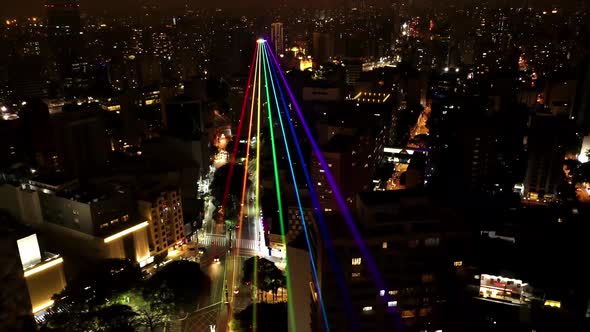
(554, 304)
(382, 292)
(356, 261)
(356, 274)
(432, 242)
(392, 304)
(114, 221)
(368, 308)
(319, 184)
(384, 245)
(408, 314)
(125, 218)
(393, 292)
(458, 263)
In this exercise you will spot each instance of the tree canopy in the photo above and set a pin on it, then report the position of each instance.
(220, 178)
(186, 282)
(113, 296)
(93, 286)
(270, 277)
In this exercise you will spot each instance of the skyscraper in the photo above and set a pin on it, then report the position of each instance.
(64, 30)
(63, 17)
(277, 37)
(546, 150)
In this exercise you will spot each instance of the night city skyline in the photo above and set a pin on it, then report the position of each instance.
(300, 166)
(34, 7)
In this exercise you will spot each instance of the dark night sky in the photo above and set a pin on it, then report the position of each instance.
(34, 7)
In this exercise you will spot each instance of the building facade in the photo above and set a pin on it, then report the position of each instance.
(412, 240)
(277, 38)
(163, 212)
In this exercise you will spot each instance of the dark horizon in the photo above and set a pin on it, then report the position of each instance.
(122, 7)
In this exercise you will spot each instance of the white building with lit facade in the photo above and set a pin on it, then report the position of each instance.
(30, 276)
(83, 223)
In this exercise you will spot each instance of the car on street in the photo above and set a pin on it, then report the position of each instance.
(202, 250)
(216, 260)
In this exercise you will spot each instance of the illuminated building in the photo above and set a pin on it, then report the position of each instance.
(414, 240)
(163, 211)
(277, 38)
(345, 155)
(89, 223)
(305, 63)
(505, 289)
(371, 97)
(31, 276)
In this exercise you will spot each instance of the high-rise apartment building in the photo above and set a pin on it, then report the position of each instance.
(64, 29)
(63, 17)
(546, 151)
(277, 37)
(163, 211)
(413, 239)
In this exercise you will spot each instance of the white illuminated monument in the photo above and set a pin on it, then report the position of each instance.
(28, 249)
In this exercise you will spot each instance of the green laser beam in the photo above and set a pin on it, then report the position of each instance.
(278, 191)
(295, 186)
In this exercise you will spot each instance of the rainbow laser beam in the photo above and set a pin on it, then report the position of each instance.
(278, 190)
(338, 195)
(254, 72)
(335, 265)
(295, 186)
(257, 190)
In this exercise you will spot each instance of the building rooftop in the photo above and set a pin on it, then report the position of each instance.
(89, 194)
(54, 180)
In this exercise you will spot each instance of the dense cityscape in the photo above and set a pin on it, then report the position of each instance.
(345, 165)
